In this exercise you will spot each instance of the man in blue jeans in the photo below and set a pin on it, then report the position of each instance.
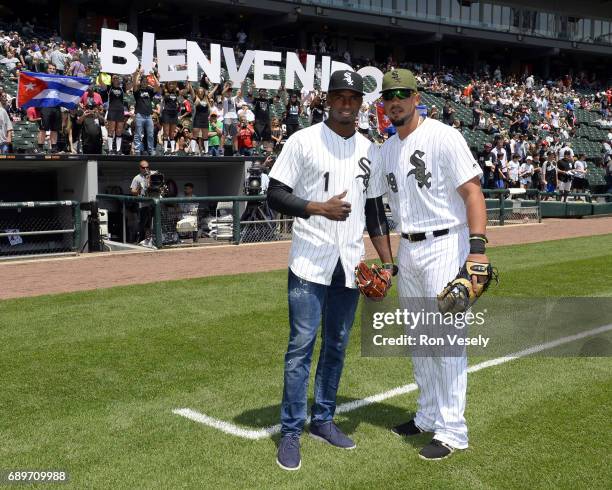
(143, 96)
(325, 176)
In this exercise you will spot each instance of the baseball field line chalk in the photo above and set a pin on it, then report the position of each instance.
(265, 432)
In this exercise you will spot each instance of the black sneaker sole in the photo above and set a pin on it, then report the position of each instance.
(436, 459)
(286, 468)
(322, 439)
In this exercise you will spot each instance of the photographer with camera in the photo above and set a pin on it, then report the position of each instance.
(139, 187)
(91, 120)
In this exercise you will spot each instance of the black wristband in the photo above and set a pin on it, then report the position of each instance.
(391, 267)
(478, 244)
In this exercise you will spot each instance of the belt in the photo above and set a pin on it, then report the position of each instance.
(418, 237)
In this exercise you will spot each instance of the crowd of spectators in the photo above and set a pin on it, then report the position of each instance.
(528, 120)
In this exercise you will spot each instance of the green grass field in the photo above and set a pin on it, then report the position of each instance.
(89, 382)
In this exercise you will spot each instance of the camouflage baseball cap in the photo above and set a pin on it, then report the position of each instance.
(399, 78)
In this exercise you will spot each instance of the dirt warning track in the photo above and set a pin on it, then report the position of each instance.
(105, 270)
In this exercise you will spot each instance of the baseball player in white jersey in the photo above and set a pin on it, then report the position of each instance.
(326, 177)
(435, 195)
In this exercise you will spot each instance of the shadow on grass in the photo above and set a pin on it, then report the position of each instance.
(379, 414)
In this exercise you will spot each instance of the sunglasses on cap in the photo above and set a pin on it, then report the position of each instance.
(400, 93)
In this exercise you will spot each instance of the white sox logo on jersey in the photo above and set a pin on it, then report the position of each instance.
(348, 78)
(364, 164)
(419, 170)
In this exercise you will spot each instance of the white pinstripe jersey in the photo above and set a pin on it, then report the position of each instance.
(423, 172)
(318, 164)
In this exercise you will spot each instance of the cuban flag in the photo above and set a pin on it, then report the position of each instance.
(47, 90)
(383, 120)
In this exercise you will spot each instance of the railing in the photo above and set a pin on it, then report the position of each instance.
(39, 228)
(184, 221)
(513, 214)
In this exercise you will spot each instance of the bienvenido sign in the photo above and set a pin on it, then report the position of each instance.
(176, 67)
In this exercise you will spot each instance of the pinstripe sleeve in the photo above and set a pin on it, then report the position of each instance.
(378, 185)
(289, 163)
(459, 164)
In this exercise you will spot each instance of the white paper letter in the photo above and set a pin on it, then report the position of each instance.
(165, 61)
(261, 69)
(236, 75)
(108, 50)
(294, 67)
(377, 75)
(148, 43)
(195, 58)
(325, 64)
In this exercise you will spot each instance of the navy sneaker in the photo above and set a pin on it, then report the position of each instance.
(288, 456)
(330, 433)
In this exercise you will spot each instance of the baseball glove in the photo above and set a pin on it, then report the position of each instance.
(460, 294)
(373, 282)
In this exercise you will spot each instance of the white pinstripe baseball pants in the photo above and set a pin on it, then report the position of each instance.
(425, 268)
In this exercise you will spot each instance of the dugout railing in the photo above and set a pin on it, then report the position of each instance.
(184, 221)
(39, 228)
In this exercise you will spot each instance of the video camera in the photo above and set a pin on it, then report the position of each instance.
(252, 186)
(157, 184)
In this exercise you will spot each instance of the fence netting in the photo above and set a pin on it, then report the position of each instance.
(34, 230)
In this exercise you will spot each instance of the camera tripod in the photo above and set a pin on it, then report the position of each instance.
(262, 228)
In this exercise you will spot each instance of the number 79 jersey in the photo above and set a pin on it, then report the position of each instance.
(318, 164)
(423, 172)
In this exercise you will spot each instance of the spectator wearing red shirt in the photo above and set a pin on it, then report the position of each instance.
(244, 138)
(90, 93)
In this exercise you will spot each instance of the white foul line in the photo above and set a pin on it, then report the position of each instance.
(265, 432)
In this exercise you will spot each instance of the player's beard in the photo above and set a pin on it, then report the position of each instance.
(402, 121)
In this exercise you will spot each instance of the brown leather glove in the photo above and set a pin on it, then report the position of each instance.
(374, 282)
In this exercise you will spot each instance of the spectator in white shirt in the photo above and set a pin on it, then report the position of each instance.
(580, 182)
(59, 59)
(10, 61)
(246, 112)
(565, 148)
(513, 171)
(526, 172)
(500, 152)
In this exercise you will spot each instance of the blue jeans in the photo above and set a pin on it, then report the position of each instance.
(309, 303)
(213, 151)
(146, 123)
